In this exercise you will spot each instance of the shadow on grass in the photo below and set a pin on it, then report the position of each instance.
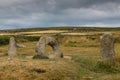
(38, 70)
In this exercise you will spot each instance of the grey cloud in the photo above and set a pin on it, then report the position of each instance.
(52, 6)
(58, 12)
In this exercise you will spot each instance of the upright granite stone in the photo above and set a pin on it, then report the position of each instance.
(12, 50)
(107, 47)
(40, 48)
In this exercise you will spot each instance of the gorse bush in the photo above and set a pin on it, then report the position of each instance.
(4, 40)
(27, 38)
(32, 38)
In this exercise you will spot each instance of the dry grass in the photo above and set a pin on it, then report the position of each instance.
(25, 68)
(84, 59)
(35, 32)
(28, 69)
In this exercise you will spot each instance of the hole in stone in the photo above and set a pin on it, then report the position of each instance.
(48, 50)
(39, 70)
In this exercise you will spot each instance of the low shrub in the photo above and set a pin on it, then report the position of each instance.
(4, 40)
(27, 38)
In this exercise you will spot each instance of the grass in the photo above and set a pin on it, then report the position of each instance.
(24, 69)
(81, 44)
(85, 63)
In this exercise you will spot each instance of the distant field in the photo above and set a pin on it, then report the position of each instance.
(36, 32)
(64, 30)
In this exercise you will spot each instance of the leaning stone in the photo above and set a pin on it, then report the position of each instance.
(12, 51)
(107, 47)
(40, 49)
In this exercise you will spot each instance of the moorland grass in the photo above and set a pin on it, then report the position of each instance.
(84, 65)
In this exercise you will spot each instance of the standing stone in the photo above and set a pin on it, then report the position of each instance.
(107, 47)
(12, 51)
(40, 48)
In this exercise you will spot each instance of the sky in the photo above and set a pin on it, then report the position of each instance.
(50, 13)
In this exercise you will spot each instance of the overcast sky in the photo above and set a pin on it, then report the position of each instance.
(49, 13)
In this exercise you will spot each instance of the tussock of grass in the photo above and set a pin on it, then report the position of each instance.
(105, 67)
(85, 62)
(91, 67)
